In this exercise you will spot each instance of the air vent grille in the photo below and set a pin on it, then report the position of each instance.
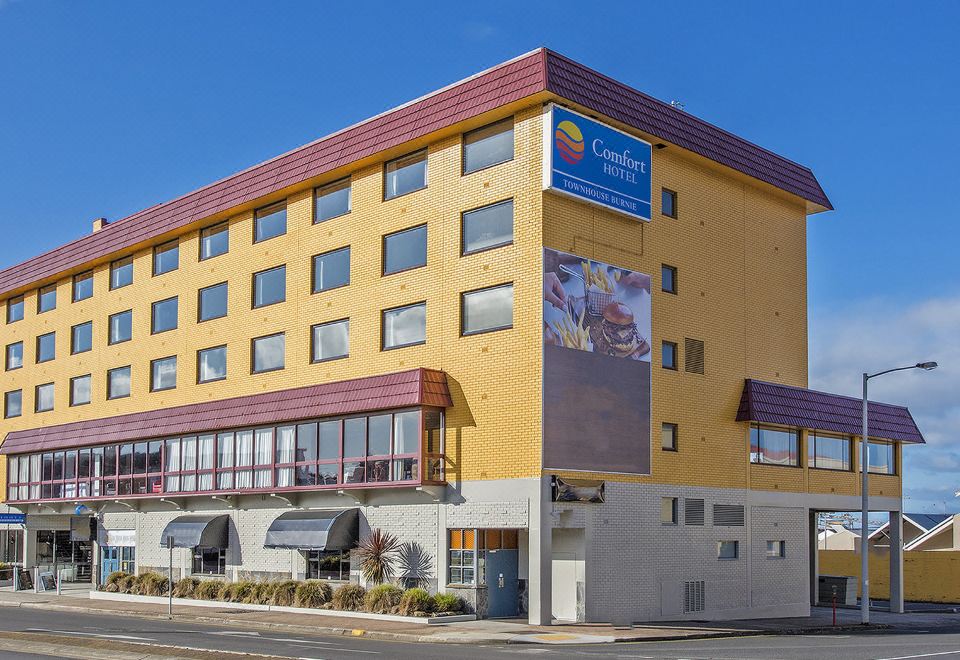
(728, 515)
(693, 596)
(693, 355)
(693, 511)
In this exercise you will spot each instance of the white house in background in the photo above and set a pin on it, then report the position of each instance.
(943, 536)
(837, 537)
(915, 525)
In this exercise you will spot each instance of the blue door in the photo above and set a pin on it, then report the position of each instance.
(109, 561)
(502, 583)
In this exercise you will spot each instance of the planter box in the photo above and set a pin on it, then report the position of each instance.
(189, 602)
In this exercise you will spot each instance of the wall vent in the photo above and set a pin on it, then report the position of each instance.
(693, 511)
(693, 596)
(693, 355)
(728, 515)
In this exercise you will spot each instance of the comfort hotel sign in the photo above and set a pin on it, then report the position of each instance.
(596, 163)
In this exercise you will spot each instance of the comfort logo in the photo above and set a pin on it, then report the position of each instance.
(569, 141)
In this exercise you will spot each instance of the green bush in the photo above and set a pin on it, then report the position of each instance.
(447, 603)
(151, 584)
(382, 599)
(284, 593)
(186, 588)
(312, 593)
(209, 589)
(240, 592)
(116, 576)
(415, 600)
(349, 597)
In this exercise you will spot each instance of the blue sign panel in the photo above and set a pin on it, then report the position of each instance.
(12, 518)
(596, 163)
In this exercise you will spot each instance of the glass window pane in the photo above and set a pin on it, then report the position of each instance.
(118, 383)
(163, 374)
(166, 258)
(121, 326)
(404, 326)
(727, 549)
(668, 203)
(205, 452)
(164, 315)
(80, 390)
(669, 355)
(488, 309)
(121, 273)
(354, 472)
(270, 286)
(270, 221)
(46, 347)
(14, 358)
(332, 200)
(488, 227)
(286, 444)
(774, 446)
(263, 449)
(69, 465)
(212, 364)
(668, 510)
(329, 433)
(213, 302)
(405, 175)
(225, 450)
(306, 475)
(81, 338)
(405, 250)
(880, 457)
(668, 433)
(355, 437)
(244, 448)
(668, 277)
(140, 458)
(331, 340)
(110, 461)
(488, 146)
(306, 442)
(155, 456)
(378, 430)
(331, 270)
(268, 353)
(44, 395)
(15, 309)
(13, 403)
(214, 241)
(406, 432)
(47, 299)
(173, 455)
(83, 286)
(188, 450)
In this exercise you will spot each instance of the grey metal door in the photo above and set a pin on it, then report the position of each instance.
(502, 583)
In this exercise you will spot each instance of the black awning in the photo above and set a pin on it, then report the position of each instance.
(192, 531)
(315, 530)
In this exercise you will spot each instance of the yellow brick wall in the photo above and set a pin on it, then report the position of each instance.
(926, 575)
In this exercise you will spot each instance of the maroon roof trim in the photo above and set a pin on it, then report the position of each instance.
(417, 387)
(773, 403)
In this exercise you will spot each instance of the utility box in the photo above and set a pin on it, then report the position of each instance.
(843, 587)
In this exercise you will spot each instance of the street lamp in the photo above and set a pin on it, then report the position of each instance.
(865, 494)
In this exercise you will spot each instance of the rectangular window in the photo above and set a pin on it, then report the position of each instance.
(462, 560)
(404, 250)
(776, 549)
(83, 286)
(486, 310)
(209, 561)
(881, 458)
(166, 257)
(668, 436)
(268, 353)
(488, 146)
(47, 299)
(668, 203)
(486, 228)
(331, 200)
(81, 338)
(270, 221)
(668, 279)
(328, 565)
(774, 446)
(80, 390)
(163, 316)
(404, 326)
(331, 270)
(15, 309)
(121, 273)
(211, 364)
(121, 327)
(828, 452)
(118, 383)
(214, 241)
(46, 347)
(728, 549)
(212, 302)
(43, 397)
(13, 404)
(331, 340)
(163, 374)
(668, 355)
(668, 510)
(14, 356)
(405, 175)
(270, 287)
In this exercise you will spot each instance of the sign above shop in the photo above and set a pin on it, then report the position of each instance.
(593, 162)
(12, 518)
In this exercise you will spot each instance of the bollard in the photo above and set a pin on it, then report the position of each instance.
(59, 579)
(36, 579)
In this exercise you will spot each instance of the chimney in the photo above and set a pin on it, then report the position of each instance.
(99, 223)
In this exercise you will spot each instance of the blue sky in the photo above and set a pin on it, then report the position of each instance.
(108, 107)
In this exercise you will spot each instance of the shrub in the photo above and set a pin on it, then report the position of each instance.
(151, 584)
(239, 592)
(447, 603)
(284, 593)
(209, 589)
(415, 600)
(378, 552)
(116, 576)
(349, 597)
(382, 599)
(312, 593)
(111, 588)
(186, 588)
(126, 584)
(262, 593)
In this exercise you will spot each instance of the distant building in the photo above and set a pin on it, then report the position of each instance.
(945, 535)
(915, 526)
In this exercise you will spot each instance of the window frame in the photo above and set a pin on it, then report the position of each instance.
(484, 331)
(664, 192)
(464, 252)
(780, 551)
(6, 356)
(87, 274)
(6, 405)
(53, 334)
(760, 450)
(206, 232)
(200, 351)
(164, 248)
(110, 373)
(41, 292)
(73, 402)
(117, 264)
(318, 192)
(736, 550)
(383, 250)
(73, 338)
(176, 374)
(426, 173)
(894, 464)
(313, 338)
(110, 340)
(674, 511)
(463, 145)
(313, 270)
(13, 302)
(200, 291)
(673, 279)
(253, 287)
(814, 436)
(675, 434)
(253, 353)
(267, 211)
(153, 316)
(36, 398)
(383, 326)
(676, 355)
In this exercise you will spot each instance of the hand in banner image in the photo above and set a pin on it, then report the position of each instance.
(636, 280)
(553, 291)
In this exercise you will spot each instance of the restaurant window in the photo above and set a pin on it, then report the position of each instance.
(47, 299)
(163, 316)
(487, 227)
(487, 146)
(43, 397)
(118, 383)
(121, 273)
(668, 510)
(405, 175)
(881, 457)
(668, 203)
(270, 222)
(13, 404)
(83, 286)
(405, 250)
(214, 241)
(163, 374)
(270, 287)
(462, 560)
(209, 561)
(211, 364)
(486, 310)
(14, 356)
(121, 327)
(15, 309)
(212, 303)
(776, 549)
(328, 565)
(81, 338)
(828, 452)
(166, 257)
(774, 446)
(268, 353)
(668, 436)
(80, 390)
(404, 326)
(331, 200)
(46, 347)
(728, 549)
(668, 355)
(668, 279)
(330, 340)
(331, 270)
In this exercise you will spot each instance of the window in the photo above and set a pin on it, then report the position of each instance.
(487, 146)
(121, 327)
(43, 400)
(404, 326)
(668, 279)
(270, 221)
(121, 273)
(668, 203)
(209, 561)
(46, 347)
(15, 309)
(211, 364)
(728, 549)
(405, 250)
(328, 565)
(331, 270)
(163, 316)
(270, 287)
(166, 257)
(214, 241)
(668, 355)
(774, 446)
(81, 338)
(405, 175)
(881, 457)
(14, 356)
(776, 549)
(668, 436)
(163, 374)
(80, 390)
(331, 200)
(828, 452)
(212, 302)
(486, 228)
(47, 299)
(668, 510)
(83, 286)
(268, 353)
(486, 310)
(462, 563)
(118, 383)
(13, 404)
(330, 340)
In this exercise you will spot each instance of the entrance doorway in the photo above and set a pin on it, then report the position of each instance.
(116, 558)
(568, 574)
(502, 568)
(56, 551)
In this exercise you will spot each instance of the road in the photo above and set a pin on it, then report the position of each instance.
(34, 633)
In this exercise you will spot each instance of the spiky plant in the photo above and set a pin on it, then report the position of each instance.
(378, 552)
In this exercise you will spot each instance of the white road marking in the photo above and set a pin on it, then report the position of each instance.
(922, 655)
(75, 632)
(235, 633)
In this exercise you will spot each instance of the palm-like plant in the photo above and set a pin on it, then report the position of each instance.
(378, 552)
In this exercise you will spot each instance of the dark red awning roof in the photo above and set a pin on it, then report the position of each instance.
(417, 387)
(798, 407)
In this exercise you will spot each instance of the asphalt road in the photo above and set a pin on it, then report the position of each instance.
(64, 628)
